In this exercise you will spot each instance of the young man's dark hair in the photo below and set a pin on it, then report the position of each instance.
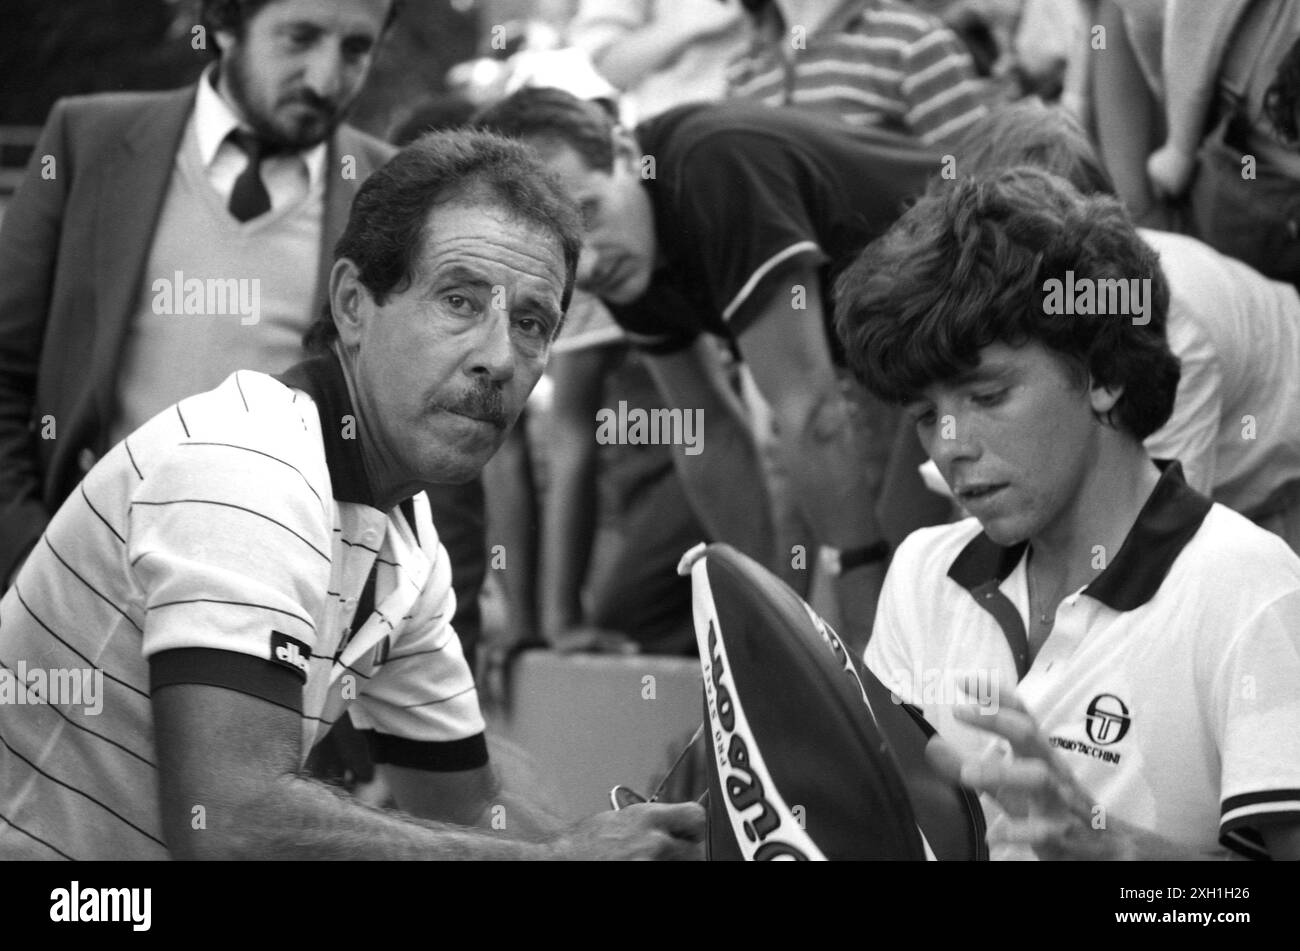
(385, 229)
(966, 268)
(233, 15)
(544, 115)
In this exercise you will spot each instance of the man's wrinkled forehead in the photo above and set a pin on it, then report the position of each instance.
(478, 231)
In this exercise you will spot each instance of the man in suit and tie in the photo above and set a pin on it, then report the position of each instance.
(163, 240)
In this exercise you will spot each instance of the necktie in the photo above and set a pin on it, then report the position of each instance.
(249, 198)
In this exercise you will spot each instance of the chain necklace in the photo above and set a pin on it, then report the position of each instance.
(1038, 616)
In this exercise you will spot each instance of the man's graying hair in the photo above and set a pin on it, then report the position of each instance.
(386, 226)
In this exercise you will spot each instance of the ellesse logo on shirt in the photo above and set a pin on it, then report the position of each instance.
(290, 652)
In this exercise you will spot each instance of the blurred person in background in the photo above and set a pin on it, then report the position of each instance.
(660, 53)
(242, 181)
(1232, 115)
(614, 517)
(877, 63)
(1126, 89)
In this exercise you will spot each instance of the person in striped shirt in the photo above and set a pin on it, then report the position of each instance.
(258, 559)
(878, 63)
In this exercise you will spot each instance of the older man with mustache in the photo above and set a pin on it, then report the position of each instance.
(259, 559)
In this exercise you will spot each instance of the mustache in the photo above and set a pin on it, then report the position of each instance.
(485, 402)
(309, 98)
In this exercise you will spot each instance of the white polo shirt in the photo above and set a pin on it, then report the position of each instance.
(1170, 684)
(230, 541)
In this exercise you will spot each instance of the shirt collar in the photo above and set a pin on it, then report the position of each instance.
(214, 120)
(322, 379)
(1171, 516)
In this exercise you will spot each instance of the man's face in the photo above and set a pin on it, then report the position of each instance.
(300, 64)
(1014, 439)
(444, 368)
(618, 248)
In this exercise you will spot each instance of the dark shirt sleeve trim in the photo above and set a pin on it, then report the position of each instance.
(774, 282)
(1239, 830)
(243, 673)
(451, 756)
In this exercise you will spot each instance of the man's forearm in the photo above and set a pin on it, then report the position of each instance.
(298, 818)
(726, 487)
(570, 525)
(512, 525)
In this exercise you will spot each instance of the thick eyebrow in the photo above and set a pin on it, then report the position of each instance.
(459, 274)
(984, 373)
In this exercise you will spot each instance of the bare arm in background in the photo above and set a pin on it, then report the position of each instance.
(572, 501)
(512, 522)
(1126, 113)
(627, 42)
(725, 480)
(1193, 54)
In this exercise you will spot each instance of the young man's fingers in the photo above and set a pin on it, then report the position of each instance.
(1034, 831)
(1029, 776)
(1015, 726)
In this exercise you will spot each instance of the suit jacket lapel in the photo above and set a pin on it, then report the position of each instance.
(134, 176)
(339, 193)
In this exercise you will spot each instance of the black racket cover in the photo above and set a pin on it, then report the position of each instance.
(809, 756)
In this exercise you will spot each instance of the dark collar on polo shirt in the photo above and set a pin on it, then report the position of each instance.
(1171, 516)
(322, 379)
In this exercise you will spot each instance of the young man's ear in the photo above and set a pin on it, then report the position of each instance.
(350, 302)
(1104, 399)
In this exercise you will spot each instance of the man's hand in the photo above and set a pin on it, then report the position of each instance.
(1045, 806)
(647, 831)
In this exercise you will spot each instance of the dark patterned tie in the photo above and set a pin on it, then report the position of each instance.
(249, 197)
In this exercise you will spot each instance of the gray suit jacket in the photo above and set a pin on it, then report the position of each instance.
(73, 247)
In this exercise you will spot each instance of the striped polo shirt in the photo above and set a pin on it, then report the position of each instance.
(1169, 685)
(880, 63)
(228, 541)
